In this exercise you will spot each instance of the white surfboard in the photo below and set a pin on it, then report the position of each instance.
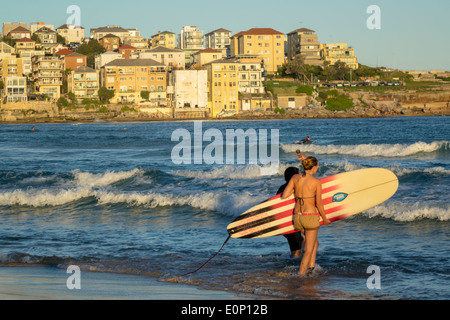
(343, 195)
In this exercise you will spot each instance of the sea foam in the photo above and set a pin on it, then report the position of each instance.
(371, 150)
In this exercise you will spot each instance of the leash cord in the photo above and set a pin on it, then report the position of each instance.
(209, 259)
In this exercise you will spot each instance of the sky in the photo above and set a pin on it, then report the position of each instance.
(413, 34)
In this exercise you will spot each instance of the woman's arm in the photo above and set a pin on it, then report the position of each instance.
(319, 203)
(289, 189)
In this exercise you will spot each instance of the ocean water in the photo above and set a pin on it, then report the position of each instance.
(108, 197)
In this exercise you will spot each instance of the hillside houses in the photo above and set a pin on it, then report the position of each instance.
(192, 71)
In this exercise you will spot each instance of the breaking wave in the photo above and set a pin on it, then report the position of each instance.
(373, 150)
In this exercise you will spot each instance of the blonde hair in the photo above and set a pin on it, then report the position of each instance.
(309, 163)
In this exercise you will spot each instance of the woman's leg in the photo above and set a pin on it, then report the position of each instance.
(310, 243)
(312, 262)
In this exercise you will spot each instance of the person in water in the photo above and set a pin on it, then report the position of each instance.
(307, 211)
(295, 240)
(307, 140)
(300, 156)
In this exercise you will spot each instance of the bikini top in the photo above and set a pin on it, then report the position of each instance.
(301, 201)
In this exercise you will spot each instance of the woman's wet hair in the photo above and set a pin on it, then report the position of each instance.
(309, 163)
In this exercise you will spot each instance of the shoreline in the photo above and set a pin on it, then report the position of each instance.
(262, 117)
(49, 283)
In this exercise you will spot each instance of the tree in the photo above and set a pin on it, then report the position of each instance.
(104, 94)
(297, 67)
(91, 49)
(145, 95)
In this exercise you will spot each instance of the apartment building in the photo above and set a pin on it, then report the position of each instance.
(219, 39)
(190, 88)
(11, 67)
(334, 52)
(172, 58)
(26, 60)
(191, 38)
(47, 35)
(105, 58)
(223, 93)
(25, 44)
(84, 82)
(8, 27)
(164, 39)
(6, 50)
(126, 51)
(74, 60)
(98, 33)
(71, 33)
(110, 42)
(304, 42)
(35, 26)
(205, 56)
(15, 89)
(129, 77)
(265, 42)
(48, 75)
(250, 74)
(19, 33)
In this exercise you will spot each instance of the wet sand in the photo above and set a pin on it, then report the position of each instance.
(48, 283)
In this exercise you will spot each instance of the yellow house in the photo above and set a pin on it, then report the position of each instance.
(223, 93)
(130, 77)
(334, 52)
(164, 39)
(206, 55)
(11, 67)
(265, 42)
(84, 83)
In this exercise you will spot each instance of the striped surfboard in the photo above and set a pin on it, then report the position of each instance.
(343, 195)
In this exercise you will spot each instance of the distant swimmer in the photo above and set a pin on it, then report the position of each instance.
(300, 156)
(307, 140)
(32, 129)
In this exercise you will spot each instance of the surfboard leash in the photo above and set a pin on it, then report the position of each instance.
(229, 236)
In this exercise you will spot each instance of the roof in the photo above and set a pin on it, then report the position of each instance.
(110, 29)
(221, 61)
(163, 49)
(301, 30)
(84, 69)
(65, 26)
(20, 29)
(208, 50)
(127, 46)
(219, 30)
(134, 63)
(259, 31)
(64, 52)
(110, 35)
(164, 32)
(45, 29)
(25, 40)
(76, 54)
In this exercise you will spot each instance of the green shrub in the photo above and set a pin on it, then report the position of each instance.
(305, 89)
(341, 102)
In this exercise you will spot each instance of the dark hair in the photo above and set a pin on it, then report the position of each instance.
(309, 163)
(290, 172)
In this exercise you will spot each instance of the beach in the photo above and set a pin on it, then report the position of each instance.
(50, 283)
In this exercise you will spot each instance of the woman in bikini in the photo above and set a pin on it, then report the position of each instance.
(308, 209)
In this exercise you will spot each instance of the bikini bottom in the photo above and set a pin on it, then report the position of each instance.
(306, 221)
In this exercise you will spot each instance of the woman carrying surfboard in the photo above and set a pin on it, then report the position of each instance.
(308, 209)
